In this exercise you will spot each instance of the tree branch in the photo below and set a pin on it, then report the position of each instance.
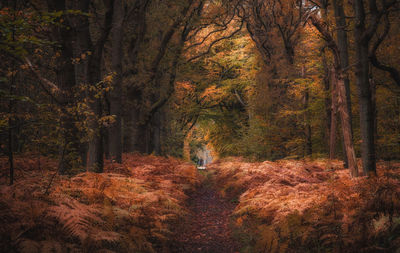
(49, 87)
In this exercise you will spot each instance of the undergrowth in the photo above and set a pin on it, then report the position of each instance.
(131, 207)
(313, 206)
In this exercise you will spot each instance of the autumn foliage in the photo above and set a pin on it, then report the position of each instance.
(131, 207)
(298, 206)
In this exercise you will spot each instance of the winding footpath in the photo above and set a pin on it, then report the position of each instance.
(207, 229)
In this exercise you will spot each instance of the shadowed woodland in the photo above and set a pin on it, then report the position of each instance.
(111, 109)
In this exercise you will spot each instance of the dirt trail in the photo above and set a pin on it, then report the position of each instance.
(207, 230)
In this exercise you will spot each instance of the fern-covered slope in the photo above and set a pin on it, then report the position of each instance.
(128, 208)
(313, 206)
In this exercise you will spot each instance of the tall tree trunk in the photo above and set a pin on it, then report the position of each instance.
(328, 100)
(364, 90)
(65, 36)
(92, 75)
(334, 109)
(156, 133)
(374, 108)
(11, 112)
(344, 60)
(137, 133)
(115, 131)
(341, 91)
(11, 127)
(345, 122)
(307, 119)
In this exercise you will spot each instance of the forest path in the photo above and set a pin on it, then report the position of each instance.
(207, 230)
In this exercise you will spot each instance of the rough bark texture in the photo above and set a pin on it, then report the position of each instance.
(328, 100)
(115, 131)
(345, 122)
(333, 114)
(337, 77)
(362, 39)
(342, 42)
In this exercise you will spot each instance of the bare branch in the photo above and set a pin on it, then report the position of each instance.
(49, 87)
(216, 41)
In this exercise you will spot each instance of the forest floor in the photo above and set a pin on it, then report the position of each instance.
(208, 227)
(157, 204)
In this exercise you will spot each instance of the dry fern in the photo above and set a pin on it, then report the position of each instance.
(296, 206)
(129, 208)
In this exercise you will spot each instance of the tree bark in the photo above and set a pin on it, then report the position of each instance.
(342, 101)
(115, 131)
(342, 42)
(65, 36)
(346, 126)
(334, 109)
(328, 100)
(156, 143)
(362, 39)
(93, 76)
(307, 119)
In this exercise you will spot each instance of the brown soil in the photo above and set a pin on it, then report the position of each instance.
(207, 229)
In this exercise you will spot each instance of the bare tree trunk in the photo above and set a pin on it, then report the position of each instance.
(11, 114)
(364, 90)
(65, 36)
(10, 129)
(156, 133)
(342, 101)
(328, 101)
(92, 75)
(334, 109)
(307, 119)
(115, 131)
(344, 60)
(374, 108)
(106, 146)
(345, 122)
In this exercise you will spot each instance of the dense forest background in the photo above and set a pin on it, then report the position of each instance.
(260, 79)
(105, 106)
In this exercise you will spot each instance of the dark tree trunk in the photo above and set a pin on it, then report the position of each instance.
(115, 131)
(345, 122)
(342, 42)
(137, 133)
(338, 82)
(10, 131)
(328, 100)
(133, 118)
(11, 115)
(106, 145)
(307, 119)
(374, 108)
(156, 134)
(92, 77)
(65, 36)
(364, 91)
(334, 109)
